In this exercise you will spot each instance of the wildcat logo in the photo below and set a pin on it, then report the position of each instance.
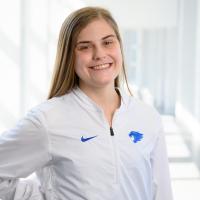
(136, 136)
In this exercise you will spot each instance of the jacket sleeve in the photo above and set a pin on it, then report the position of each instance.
(161, 175)
(23, 150)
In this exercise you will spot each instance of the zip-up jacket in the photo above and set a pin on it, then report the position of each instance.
(76, 155)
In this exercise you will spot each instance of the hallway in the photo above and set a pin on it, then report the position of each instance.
(185, 174)
(161, 44)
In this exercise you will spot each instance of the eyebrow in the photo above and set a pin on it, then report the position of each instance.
(87, 41)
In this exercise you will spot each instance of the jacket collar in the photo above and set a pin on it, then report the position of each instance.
(85, 100)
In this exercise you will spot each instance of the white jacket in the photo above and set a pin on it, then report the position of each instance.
(69, 144)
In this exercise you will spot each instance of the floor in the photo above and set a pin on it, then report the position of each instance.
(185, 174)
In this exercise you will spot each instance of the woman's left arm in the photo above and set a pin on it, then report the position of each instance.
(161, 175)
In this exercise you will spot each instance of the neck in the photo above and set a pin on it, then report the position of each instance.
(106, 97)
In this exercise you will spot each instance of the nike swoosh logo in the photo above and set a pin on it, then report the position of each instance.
(86, 139)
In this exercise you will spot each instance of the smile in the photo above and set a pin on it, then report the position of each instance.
(102, 66)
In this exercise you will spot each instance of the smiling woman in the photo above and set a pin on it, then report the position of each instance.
(73, 40)
(90, 140)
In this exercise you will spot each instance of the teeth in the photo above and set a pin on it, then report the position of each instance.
(103, 66)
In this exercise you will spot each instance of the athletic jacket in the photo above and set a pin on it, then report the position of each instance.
(77, 156)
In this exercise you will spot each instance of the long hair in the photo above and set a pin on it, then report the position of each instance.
(64, 77)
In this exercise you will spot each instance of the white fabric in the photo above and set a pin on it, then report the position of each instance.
(48, 141)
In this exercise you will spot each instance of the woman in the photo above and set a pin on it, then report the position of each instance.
(89, 140)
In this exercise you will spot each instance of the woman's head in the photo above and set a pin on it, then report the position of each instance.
(65, 78)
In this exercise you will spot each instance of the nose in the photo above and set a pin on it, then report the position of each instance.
(99, 53)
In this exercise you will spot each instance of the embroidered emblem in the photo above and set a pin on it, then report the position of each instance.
(136, 136)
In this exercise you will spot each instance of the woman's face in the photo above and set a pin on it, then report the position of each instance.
(98, 58)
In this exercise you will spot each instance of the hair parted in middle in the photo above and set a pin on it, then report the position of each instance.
(64, 77)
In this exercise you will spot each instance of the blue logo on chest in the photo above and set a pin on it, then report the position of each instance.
(136, 136)
(85, 139)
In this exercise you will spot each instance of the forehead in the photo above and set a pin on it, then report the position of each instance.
(96, 30)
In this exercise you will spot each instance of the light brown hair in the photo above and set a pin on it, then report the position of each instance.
(64, 77)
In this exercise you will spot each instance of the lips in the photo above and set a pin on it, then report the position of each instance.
(101, 66)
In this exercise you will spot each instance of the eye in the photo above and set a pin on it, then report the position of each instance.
(108, 43)
(84, 47)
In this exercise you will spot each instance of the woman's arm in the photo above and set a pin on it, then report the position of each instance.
(23, 150)
(161, 176)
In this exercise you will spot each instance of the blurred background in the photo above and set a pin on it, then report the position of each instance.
(161, 44)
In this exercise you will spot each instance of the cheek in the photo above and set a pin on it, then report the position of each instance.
(118, 57)
(78, 62)
(82, 59)
(81, 64)
(77, 66)
(79, 70)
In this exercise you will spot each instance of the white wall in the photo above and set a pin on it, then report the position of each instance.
(141, 13)
(189, 65)
(9, 61)
(188, 99)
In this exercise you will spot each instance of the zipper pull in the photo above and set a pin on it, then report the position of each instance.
(111, 131)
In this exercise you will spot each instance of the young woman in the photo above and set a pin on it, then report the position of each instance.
(89, 140)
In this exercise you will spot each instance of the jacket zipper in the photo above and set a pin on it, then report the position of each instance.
(115, 155)
(111, 131)
(114, 149)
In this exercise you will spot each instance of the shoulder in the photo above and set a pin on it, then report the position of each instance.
(50, 108)
(143, 114)
(134, 104)
(143, 108)
(54, 103)
(136, 108)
